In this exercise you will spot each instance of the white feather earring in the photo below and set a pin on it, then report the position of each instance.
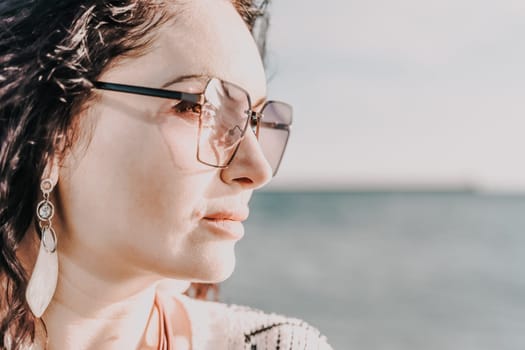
(43, 281)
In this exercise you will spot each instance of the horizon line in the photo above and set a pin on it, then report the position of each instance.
(394, 188)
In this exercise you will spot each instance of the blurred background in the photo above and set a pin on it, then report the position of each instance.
(397, 218)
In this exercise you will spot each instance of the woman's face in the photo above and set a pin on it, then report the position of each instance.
(133, 200)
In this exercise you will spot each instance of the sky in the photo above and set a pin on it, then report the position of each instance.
(401, 94)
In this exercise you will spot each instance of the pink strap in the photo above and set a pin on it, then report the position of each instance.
(164, 326)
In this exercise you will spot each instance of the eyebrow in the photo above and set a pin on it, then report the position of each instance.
(184, 78)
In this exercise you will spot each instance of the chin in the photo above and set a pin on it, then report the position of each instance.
(217, 275)
(215, 266)
(216, 269)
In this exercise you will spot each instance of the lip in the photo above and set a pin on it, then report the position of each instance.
(237, 215)
(231, 229)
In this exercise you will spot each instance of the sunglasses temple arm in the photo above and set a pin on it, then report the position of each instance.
(139, 90)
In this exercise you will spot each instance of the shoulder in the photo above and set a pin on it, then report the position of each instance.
(262, 330)
(242, 327)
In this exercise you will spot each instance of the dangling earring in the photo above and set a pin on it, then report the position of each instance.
(43, 281)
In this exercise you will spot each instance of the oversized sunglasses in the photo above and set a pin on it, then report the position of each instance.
(224, 111)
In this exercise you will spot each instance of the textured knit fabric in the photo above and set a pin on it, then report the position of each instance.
(220, 326)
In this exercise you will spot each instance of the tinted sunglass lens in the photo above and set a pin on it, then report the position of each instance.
(223, 122)
(274, 131)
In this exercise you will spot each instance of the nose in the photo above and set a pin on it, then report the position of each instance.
(249, 167)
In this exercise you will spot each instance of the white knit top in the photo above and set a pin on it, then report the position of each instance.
(220, 326)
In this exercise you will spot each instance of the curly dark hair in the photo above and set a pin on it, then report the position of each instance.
(50, 51)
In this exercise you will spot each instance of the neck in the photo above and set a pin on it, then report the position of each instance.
(89, 312)
(98, 304)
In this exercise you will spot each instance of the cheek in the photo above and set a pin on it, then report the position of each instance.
(169, 181)
(138, 186)
(180, 139)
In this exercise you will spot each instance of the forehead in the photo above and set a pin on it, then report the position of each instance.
(205, 37)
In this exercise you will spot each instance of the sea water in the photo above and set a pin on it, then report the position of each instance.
(388, 270)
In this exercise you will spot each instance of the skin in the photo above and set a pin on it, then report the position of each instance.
(130, 203)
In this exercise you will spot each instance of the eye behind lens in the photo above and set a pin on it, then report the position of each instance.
(185, 107)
